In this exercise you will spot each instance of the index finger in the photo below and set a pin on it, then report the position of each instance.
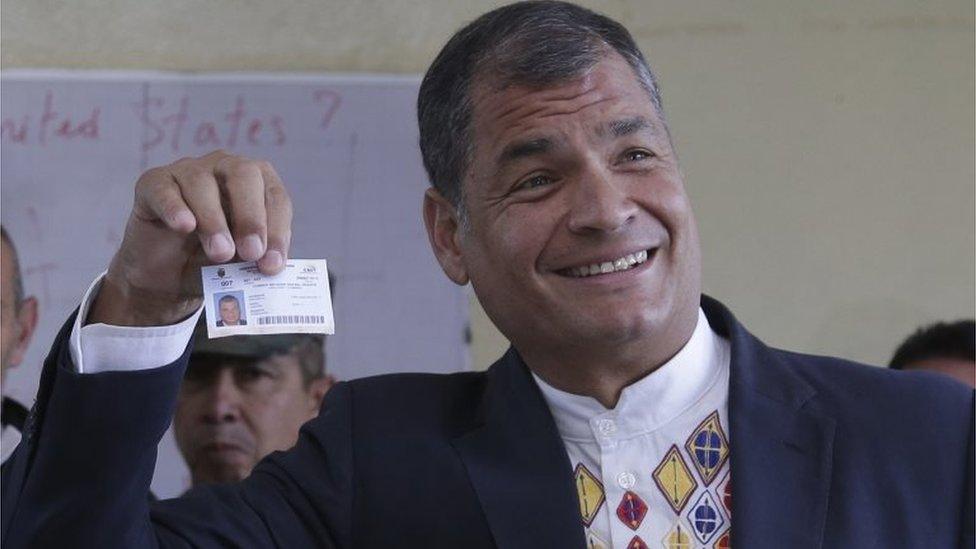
(243, 186)
(279, 216)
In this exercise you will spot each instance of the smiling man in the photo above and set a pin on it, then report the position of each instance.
(577, 234)
(625, 407)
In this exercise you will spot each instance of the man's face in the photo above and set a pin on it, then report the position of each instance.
(231, 412)
(17, 320)
(572, 179)
(230, 312)
(8, 320)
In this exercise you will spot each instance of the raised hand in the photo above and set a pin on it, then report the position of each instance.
(193, 212)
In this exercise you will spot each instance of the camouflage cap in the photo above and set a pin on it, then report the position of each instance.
(246, 346)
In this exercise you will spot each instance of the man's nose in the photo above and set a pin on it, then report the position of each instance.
(601, 203)
(224, 399)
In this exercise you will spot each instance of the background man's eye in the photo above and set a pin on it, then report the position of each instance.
(249, 374)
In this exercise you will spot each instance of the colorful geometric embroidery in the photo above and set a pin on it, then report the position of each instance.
(677, 537)
(636, 543)
(593, 541)
(723, 541)
(705, 518)
(631, 510)
(724, 492)
(708, 448)
(675, 480)
(590, 492)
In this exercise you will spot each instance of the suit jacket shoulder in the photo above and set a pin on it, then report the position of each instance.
(419, 404)
(844, 454)
(881, 397)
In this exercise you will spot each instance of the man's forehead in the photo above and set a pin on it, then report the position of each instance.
(610, 85)
(627, 125)
(215, 360)
(203, 361)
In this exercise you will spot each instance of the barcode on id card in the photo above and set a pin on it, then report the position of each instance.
(292, 319)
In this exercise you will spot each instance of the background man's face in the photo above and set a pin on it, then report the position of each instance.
(956, 368)
(231, 412)
(8, 320)
(571, 178)
(17, 320)
(230, 312)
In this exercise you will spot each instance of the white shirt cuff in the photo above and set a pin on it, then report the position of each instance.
(105, 348)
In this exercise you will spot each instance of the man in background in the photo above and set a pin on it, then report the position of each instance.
(244, 397)
(945, 347)
(17, 322)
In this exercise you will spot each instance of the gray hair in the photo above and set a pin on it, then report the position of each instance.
(18, 281)
(310, 351)
(538, 43)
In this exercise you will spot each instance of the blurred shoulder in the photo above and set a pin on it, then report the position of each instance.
(882, 396)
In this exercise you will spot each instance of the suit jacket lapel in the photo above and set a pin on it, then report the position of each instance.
(781, 445)
(518, 465)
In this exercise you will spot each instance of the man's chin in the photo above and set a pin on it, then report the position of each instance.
(221, 473)
(613, 330)
(223, 466)
(629, 314)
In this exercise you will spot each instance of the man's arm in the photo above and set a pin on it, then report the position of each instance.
(82, 474)
(81, 477)
(102, 348)
(88, 453)
(108, 348)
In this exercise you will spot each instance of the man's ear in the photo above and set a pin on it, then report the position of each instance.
(444, 233)
(317, 389)
(26, 323)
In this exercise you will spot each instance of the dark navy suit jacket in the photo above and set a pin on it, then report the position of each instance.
(824, 453)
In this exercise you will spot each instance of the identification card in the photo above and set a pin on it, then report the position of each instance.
(238, 299)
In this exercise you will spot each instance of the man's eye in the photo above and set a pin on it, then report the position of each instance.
(636, 155)
(193, 383)
(249, 374)
(534, 182)
(196, 377)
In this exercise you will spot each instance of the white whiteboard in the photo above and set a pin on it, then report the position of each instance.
(73, 143)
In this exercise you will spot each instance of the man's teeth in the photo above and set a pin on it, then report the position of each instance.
(620, 264)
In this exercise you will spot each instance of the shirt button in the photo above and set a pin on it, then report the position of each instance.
(606, 427)
(626, 480)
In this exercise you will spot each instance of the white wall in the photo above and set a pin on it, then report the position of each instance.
(828, 146)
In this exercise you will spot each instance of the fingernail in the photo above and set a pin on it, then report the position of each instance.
(272, 260)
(251, 248)
(221, 245)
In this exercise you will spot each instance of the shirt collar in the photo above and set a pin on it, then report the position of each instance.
(649, 403)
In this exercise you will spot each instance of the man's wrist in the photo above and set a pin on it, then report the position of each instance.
(120, 304)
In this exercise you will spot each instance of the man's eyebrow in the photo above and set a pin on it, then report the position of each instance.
(521, 149)
(628, 126)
